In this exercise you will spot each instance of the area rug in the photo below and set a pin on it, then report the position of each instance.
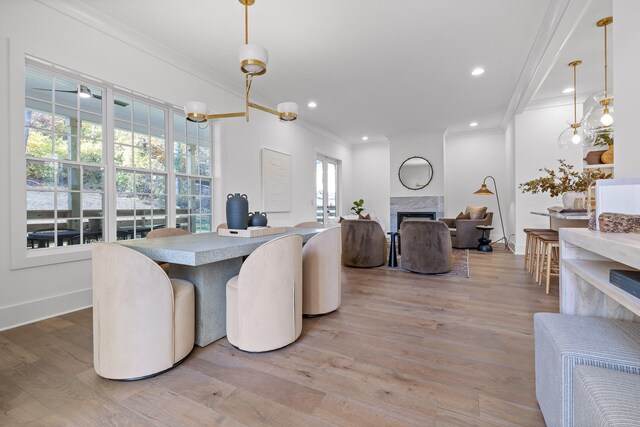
(460, 265)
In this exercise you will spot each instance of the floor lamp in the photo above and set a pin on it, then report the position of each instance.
(484, 191)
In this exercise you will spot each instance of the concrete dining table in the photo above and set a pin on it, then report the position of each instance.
(208, 261)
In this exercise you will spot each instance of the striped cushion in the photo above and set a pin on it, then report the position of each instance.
(562, 342)
(603, 397)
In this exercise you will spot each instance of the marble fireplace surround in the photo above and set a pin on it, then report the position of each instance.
(415, 204)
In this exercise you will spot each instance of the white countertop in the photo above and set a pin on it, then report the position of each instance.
(562, 215)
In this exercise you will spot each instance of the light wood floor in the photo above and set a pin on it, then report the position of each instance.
(403, 349)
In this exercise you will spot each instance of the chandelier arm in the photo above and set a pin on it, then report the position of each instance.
(265, 109)
(225, 115)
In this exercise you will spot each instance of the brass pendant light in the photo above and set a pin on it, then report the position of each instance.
(575, 134)
(599, 119)
(253, 62)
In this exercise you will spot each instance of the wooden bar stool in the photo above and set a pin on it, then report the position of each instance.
(529, 246)
(550, 258)
(538, 247)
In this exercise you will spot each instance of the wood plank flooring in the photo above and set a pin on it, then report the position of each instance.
(403, 349)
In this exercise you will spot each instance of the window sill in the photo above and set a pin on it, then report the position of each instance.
(48, 256)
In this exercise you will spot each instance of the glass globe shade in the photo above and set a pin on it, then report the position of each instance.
(571, 138)
(597, 120)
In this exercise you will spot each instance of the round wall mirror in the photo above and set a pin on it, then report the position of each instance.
(415, 173)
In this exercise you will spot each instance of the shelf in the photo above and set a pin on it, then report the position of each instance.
(596, 273)
(620, 247)
(602, 166)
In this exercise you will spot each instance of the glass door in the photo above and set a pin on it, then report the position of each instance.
(326, 189)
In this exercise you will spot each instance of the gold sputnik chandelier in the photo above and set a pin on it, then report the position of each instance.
(253, 62)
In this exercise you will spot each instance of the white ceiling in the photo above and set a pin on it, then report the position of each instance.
(375, 67)
(586, 43)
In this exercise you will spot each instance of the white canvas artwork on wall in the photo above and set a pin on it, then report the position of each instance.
(276, 181)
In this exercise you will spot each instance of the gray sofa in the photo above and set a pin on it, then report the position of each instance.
(464, 234)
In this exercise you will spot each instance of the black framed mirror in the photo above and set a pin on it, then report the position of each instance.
(415, 173)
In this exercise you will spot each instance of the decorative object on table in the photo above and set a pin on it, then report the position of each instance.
(415, 173)
(627, 280)
(484, 191)
(599, 118)
(618, 223)
(575, 134)
(276, 181)
(358, 207)
(607, 156)
(592, 221)
(594, 157)
(252, 232)
(484, 241)
(619, 195)
(237, 211)
(257, 219)
(564, 181)
(253, 62)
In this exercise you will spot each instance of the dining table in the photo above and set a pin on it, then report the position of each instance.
(208, 261)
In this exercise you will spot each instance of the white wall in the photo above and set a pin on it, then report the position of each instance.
(627, 87)
(509, 204)
(469, 158)
(30, 27)
(371, 179)
(429, 146)
(536, 132)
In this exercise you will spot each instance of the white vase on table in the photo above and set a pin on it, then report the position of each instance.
(570, 198)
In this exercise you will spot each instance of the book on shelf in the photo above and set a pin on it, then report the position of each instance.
(627, 280)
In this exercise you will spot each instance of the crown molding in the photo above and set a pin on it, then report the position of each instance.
(559, 23)
(487, 131)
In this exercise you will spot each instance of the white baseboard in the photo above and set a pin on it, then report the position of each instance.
(33, 311)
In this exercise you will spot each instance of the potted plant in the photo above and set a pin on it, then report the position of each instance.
(567, 182)
(358, 207)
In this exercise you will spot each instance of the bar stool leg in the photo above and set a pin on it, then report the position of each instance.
(549, 251)
(527, 252)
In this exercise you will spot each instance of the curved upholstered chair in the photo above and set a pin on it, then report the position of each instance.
(426, 246)
(310, 225)
(166, 232)
(223, 225)
(264, 301)
(321, 285)
(364, 243)
(143, 322)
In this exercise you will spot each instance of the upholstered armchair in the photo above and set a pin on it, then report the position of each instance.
(364, 243)
(426, 246)
(143, 321)
(463, 231)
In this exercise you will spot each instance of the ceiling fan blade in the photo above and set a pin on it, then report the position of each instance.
(115, 101)
(57, 90)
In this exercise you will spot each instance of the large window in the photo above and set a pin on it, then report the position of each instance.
(72, 179)
(139, 147)
(64, 161)
(192, 165)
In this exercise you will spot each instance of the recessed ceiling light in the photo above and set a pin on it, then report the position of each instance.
(568, 90)
(477, 71)
(365, 138)
(312, 105)
(473, 124)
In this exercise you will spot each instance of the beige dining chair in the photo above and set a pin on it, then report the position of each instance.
(143, 321)
(223, 225)
(264, 301)
(310, 225)
(321, 284)
(167, 232)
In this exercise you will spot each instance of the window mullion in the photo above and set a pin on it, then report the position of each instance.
(171, 173)
(109, 181)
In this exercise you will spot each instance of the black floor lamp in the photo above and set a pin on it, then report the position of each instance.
(484, 191)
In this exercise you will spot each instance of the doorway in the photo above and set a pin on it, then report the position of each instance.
(327, 185)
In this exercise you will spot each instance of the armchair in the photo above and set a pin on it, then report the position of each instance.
(463, 231)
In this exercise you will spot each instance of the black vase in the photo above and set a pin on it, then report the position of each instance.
(257, 219)
(237, 211)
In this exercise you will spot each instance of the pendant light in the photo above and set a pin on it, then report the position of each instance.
(575, 134)
(599, 119)
(253, 62)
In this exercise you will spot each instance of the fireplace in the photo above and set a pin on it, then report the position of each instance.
(422, 215)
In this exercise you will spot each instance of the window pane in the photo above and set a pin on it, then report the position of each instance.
(40, 118)
(122, 108)
(204, 163)
(66, 147)
(38, 85)
(66, 93)
(40, 204)
(124, 182)
(192, 159)
(93, 179)
(122, 135)
(179, 127)
(180, 157)
(92, 205)
(68, 204)
(182, 186)
(68, 177)
(205, 205)
(141, 158)
(40, 175)
(205, 187)
(192, 129)
(123, 155)
(92, 104)
(140, 114)
(157, 119)
(157, 153)
(143, 183)
(159, 184)
(39, 143)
